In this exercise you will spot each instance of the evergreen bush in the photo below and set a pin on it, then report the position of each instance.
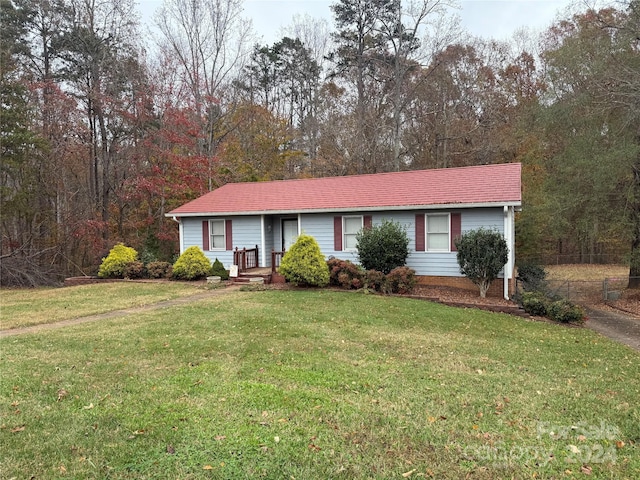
(535, 303)
(191, 265)
(383, 247)
(566, 312)
(303, 264)
(532, 276)
(481, 256)
(115, 263)
(219, 271)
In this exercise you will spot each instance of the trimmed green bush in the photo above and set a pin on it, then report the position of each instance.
(218, 270)
(566, 312)
(401, 280)
(481, 255)
(535, 303)
(159, 269)
(304, 264)
(114, 264)
(383, 247)
(191, 265)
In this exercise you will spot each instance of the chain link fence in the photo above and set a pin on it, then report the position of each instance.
(588, 291)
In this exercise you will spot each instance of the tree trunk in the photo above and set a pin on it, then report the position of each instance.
(634, 264)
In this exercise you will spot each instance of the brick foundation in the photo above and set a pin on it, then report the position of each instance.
(495, 290)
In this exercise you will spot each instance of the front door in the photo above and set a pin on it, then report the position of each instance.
(289, 232)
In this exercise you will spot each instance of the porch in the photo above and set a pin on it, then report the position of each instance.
(249, 270)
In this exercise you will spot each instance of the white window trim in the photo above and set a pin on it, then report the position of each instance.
(224, 235)
(426, 233)
(344, 231)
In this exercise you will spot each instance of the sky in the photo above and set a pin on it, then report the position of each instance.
(497, 19)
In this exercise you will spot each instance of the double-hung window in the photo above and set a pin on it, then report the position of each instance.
(438, 233)
(351, 227)
(216, 235)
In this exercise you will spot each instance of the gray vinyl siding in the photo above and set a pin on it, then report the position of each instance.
(445, 264)
(247, 233)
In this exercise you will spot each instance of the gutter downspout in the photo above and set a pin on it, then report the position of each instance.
(509, 235)
(180, 233)
(263, 241)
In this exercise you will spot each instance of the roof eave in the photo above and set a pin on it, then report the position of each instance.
(363, 208)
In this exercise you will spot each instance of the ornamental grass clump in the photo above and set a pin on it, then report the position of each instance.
(304, 264)
(115, 264)
(191, 265)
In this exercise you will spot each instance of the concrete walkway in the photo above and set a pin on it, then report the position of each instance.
(615, 325)
(119, 313)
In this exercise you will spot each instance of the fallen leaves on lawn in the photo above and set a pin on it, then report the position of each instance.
(18, 429)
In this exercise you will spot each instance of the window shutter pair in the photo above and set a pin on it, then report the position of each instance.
(367, 221)
(227, 234)
(455, 229)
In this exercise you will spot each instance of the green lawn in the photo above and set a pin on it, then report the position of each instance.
(318, 384)
(21, 308)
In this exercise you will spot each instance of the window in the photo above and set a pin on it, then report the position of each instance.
(352, 225)
(438, 233)
(216, 234)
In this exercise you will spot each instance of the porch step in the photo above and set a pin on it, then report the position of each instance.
(252, 277)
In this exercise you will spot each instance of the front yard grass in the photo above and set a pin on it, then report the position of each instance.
(24, 307)
(318, 384)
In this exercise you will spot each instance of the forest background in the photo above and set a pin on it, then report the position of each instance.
(105, 128)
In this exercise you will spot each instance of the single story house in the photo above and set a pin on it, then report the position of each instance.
(434, 206)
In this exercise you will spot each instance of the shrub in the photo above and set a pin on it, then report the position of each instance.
(481, 255)
(159, 269)
(345, 274)
(114, 264)
(304, 264)
(535, 303)
(401, 280)
(219, 271)
(532, 277)
(376, 280)
(191, 265)
(135, 270)
(566, 312)
(383, 247)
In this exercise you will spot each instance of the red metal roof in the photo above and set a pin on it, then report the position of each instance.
(449, 187)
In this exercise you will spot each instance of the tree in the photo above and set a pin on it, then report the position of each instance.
(593, 127)
(383, 247)
(481, 256)
(209, 41)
